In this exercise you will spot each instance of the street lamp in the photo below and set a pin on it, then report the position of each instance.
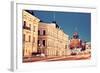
(41, 49)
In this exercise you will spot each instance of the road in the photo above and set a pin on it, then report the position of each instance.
(57, 58)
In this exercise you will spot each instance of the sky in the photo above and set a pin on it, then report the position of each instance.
(69, 22)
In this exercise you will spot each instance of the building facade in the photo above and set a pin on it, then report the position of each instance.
(52, 41)
(88, 47)
(30, 33)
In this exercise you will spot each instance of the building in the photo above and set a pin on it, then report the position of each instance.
(75, 44)
(88, 47)
(52, 41)
(30, 33)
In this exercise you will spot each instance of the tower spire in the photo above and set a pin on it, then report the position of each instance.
(75, 35)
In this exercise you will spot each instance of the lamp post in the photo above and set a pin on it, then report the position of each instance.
(41, 49)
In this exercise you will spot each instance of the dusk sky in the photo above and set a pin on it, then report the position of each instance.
(69, 22)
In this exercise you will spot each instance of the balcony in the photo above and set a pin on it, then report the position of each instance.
(25, 27)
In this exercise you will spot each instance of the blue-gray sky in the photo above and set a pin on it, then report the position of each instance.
(69, 22)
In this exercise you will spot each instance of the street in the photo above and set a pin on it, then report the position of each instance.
(57, 58)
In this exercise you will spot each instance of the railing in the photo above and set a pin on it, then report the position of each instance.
(25, 27)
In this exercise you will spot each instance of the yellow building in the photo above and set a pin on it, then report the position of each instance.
(52, 41)
(30, 33)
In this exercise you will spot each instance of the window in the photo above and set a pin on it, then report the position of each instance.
(23, 37)
(24, 24)
(34, 28)
(29, 38)
(38, 42)
(43, 32)
(30, 26)
(38, 32)
(25, 27)
(43, 42)
(26, 50)
(33, 39)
